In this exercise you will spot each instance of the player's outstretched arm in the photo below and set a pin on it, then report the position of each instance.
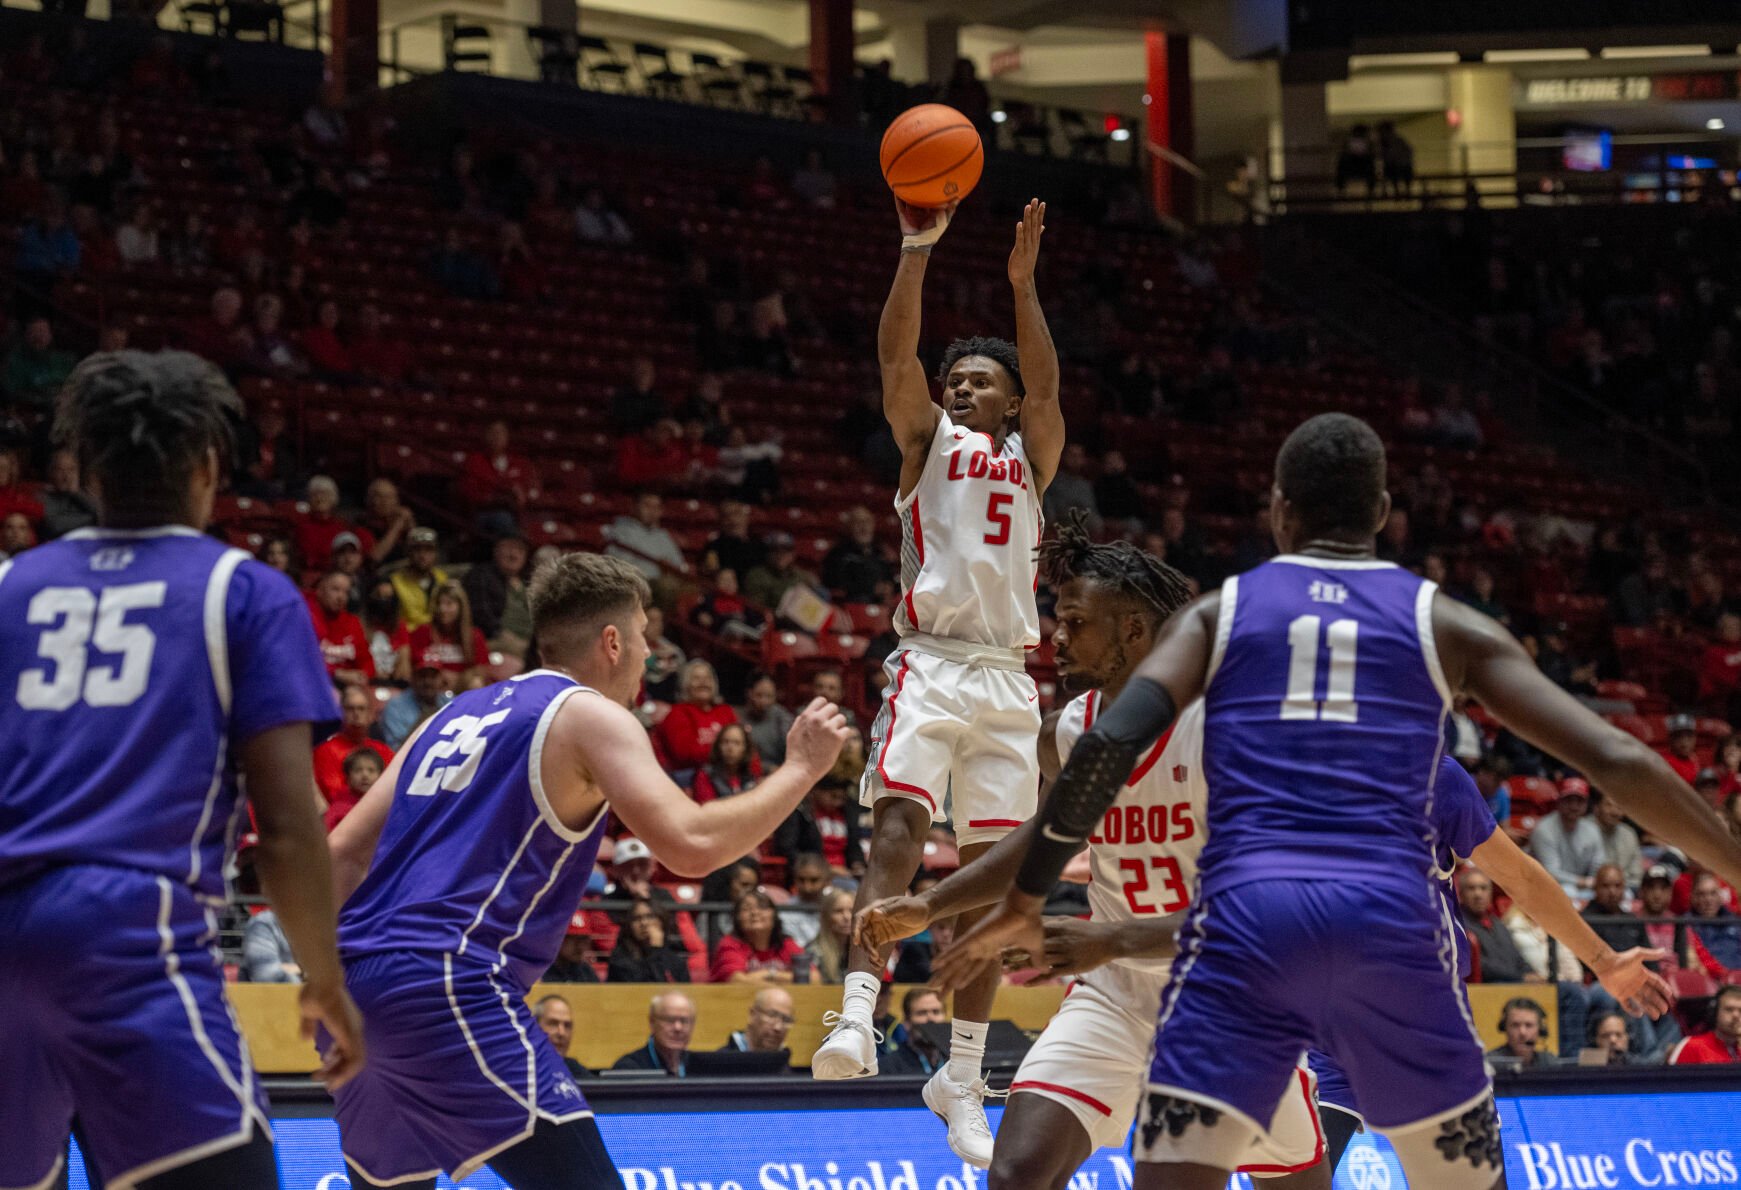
(907, 403)
(1042, 418)
(1485, 661)
(296, 876)
(1539, 894)
(604, 740)
(1074, 946)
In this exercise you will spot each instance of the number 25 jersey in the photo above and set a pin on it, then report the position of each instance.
(1325, 710)
(1143, 855)
(134, 664)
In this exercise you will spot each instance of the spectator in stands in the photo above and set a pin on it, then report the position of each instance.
(684, 737)
(765, 719)
(320, 525)
(65, 506)
(1568, 844)
(826, 954)
(268, 467)
(706, 404)
(348, 560)
(749, 470)
(523, 278)
(647, 950)
(732, 767)
(596, 222)
(344, 646)
(16, 535)
(1490, 773)
(556, 1018)
(725, 613)
(857, 569)
(767, 584)
(1655, 894)
(23, 192)
(1723, 1043)
(641, 541)
(272, 352)
(381, 625)
(1523, 1021)
(814, 183)
(664, 659)
(1480, 596)
(769, 1021)
(356, 730)
(829, 819)
(1454, 426)
(828, 683)
(362, 768)
(732, 547)
(636, 405)
(1682, 753)
(388, 520)
(1500, 961)
(497, 590)
(1397, 157)
(1116, 495)
(418, 579)
(1608, 1034)
(1608, 899)
(810, 878)
(1727, 762)
(35, 368)
(427, 694)
(671, 1021)
(757, 950)
(1720, 669)
(574, 959)
(1619, 841)
(1463, 736)
(449, 642)
(1575, 675)
(461, 271)
(1071, 489)
(1718, 932)
(328, 357)
(136, 240)
(1357, 161)
(1644, 597)
(917, 1055)
(280, 554)
(377, 356)
(48, 252)
(266, 956)
(497, 484)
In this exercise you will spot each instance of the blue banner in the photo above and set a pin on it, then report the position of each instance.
(1572, 1142)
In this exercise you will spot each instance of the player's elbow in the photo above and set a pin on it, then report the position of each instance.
(1620, 762)
(687, 856)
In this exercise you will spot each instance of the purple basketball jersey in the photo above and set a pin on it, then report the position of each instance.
(1324, 726)
(472, 862)
(132, 664)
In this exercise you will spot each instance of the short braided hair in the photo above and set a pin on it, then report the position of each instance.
(1072, 553)
(140, 422)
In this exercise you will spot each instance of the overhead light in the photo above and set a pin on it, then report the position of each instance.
(1120, 134)
(1656, 51)
(999, 116)
(1391, 61)
(1715, 124)
(1544, 55)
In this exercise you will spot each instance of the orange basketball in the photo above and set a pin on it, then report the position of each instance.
(932, 156)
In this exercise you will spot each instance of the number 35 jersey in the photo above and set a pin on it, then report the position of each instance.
(1143, 855)
(133, 667)
(472, 861)
(1325, 721)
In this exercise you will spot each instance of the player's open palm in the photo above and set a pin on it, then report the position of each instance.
(817, 736)
(1026, 254)
(879, 925)
(1639, 989)
(329, 1005)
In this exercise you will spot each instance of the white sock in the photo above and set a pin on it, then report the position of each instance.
(860, 1003)
(966, 1049)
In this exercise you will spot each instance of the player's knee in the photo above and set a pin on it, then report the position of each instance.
(1021, 1166)
(900, 825)
(1460, 1152)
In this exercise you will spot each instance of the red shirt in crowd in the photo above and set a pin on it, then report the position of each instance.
(1686, 766)
(1720, 671)
(733, 954)
(325, 351)
(343, 642)
(1702, 1049)
(440, 652)
(831, 825)
(642, 464)
(314, 534)
(21, 497)
(1680, 900)
(329, 764)
(505, 481)
(684, 737)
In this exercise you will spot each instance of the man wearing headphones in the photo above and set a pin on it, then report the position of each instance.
(1723, 1042)
(1521, 1021)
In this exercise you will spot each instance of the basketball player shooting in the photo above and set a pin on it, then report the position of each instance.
(960, 714)
(1321, 785)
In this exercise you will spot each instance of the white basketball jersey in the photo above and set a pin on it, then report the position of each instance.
(1143, 856)
(970, 537)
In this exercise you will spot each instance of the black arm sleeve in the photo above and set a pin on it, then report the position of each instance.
(1087, 786)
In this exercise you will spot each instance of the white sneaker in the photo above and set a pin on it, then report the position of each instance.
(962, 1107)
(850, 1051)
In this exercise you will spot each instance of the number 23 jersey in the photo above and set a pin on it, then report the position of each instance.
(1143, 855)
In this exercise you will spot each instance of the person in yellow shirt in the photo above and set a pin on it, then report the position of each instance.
(415, 583)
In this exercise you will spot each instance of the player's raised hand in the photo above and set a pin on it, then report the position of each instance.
(923, 226)
(1014, 924)
(816, 737)
(329, 1005)
(1026, 254)
(1641, 991)
(887, 921)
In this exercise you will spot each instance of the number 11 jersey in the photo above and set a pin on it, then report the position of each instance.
(133, 666)
(1325, 708)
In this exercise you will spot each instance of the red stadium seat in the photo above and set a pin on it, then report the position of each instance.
(1622, 691)
(1532, 792)
(786, 648)
(868, 619)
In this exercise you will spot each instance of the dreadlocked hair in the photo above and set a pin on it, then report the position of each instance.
(140, 422)
(998, 351)
(1072, 553)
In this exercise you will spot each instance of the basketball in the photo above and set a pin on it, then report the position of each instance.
(932, 155)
